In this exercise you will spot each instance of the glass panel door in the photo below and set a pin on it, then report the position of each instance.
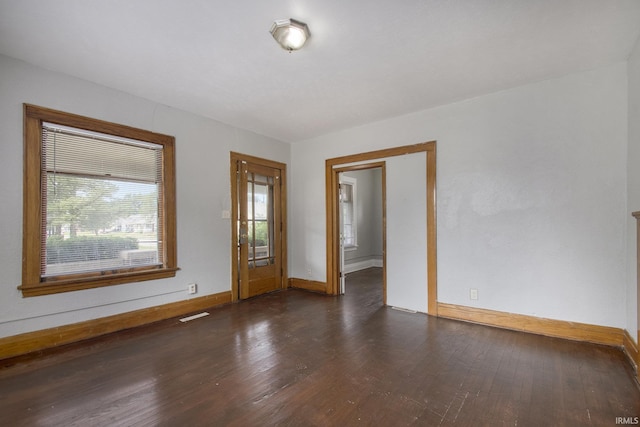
(259, 229)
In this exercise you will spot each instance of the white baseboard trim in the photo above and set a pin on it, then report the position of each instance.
(362, 265)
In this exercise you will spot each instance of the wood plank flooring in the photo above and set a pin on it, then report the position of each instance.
(295, 358)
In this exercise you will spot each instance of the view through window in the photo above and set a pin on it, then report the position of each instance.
(101, 201)
(349, 219)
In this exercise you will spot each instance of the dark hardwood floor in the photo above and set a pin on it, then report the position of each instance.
(299, 359)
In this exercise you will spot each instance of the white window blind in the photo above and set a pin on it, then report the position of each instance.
(101, 204)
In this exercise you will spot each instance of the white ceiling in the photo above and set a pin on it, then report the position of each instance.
(367, 59)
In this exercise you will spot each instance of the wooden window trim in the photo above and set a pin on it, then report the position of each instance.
(32, 282)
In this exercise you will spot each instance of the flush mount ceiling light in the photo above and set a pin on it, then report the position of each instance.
(290, 34)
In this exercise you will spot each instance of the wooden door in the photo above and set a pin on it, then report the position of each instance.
(259, 229)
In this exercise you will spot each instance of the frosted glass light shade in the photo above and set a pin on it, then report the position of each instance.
(290, 34)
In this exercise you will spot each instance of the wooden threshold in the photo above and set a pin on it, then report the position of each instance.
(29, 342)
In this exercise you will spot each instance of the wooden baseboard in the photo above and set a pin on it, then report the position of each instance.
(518, 322)
(630, 349)
(47, 338)
(308, 285)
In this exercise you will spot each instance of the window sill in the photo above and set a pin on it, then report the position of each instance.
(76, 284)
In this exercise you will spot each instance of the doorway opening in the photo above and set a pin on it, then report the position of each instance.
(364, 288)
(425, 258)
(362, 218)
(258, 226)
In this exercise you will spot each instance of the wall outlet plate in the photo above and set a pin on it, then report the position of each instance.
(473, 294)
(192, 288)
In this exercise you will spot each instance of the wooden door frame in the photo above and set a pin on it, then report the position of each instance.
(332, 170)
(235, 274)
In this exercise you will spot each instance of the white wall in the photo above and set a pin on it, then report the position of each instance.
(633, 192)
(203, 191)
(531, 196)
(406, 265)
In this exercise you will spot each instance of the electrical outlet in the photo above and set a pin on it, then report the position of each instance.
(193, 288)
(309, 270)
(473, 294)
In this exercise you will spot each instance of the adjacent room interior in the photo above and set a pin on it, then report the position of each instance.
(410, 212)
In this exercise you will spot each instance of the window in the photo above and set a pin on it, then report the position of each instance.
(349, 217)
(99, 203)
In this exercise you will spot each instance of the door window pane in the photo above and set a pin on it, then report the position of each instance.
(260, 215)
